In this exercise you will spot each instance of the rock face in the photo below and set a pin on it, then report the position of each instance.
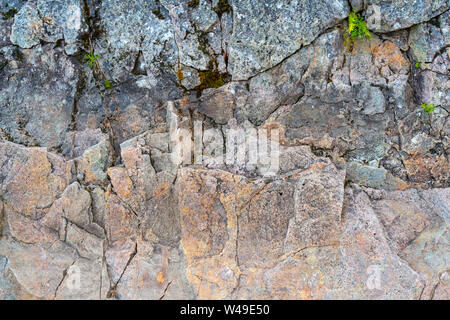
(38, 92)
(223, 149)
(49, 21)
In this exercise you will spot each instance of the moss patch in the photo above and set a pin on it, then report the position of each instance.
(91, 58)
(429, 108)
(357, 29)
(108, 84)
(180, 75)
(9, 14)
(223, 7)
(210, 79)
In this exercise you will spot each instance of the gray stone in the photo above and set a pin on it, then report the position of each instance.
(375, 102)
(188, 77)
(400, 38)
(434, 88)
(373, 177)
(73, 205)
(37, 97)
(132, 110)
(40, 269)
(77, 142)
(63, 20)
(296, 158)
(304, 73)
(309, 122)
(8, 9)
(90, 113)
(413, 220)
(191, 53)
(27, 28)
(132, 28)
(397, 280)
(386, 15)
(88, 246)
(50, 21)
(219, 104)
(150, 275)
(281, 85)
(425, 40)
(319, 197)
(444, 22)
(5, 5)
(10, 288)
(265, 33)
(84, 280)
(95, 161)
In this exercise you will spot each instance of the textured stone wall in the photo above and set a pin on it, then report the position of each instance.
(93, 206)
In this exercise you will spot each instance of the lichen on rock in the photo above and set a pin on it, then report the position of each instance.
(240, 150)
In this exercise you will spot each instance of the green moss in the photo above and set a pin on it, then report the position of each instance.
(9, 14)
(210, 79)
(193, 3)
(91, 58)
(222, 7)
(429, 108)
(108, 84)
(180, 75)
(357, 29)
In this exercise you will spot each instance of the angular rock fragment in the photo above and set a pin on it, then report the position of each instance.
(37, 96)
(39, 269)
(95, 161)
(425, 40)
(386, 16)
(84, 280)
(50, 21)
(319, 197)
(414, 220)
(10, 288)
(28, 27)
(32, 179)
(265, 33)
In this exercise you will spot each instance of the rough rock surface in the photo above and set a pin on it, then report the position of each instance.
(266, 34)
(49, 21)
(391, 15)
(98, 200)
